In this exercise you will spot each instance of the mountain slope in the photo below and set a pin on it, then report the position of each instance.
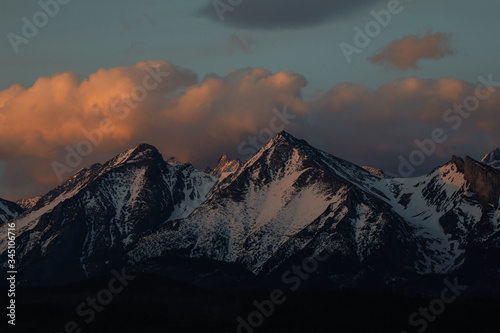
(376, 171)
(87, 223)
(8, 210)
(289, 202)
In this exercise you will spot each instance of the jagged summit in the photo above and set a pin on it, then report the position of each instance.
(492, 159)
(285, 137)
(225, 166)
(484, 180)
(107, 208)
(141, 153)
(458, 162)
(492, 156)
(143, 150)
(222, 160)
(27, 203)
(282, 142)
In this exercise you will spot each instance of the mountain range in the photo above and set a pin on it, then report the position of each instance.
(252, 221)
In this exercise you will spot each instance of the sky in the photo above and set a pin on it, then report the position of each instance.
(400, 85)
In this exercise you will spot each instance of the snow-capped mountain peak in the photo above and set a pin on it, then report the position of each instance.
(290, 201)
(492, 159)
(225, 167)
(140, 153)
(108, 207)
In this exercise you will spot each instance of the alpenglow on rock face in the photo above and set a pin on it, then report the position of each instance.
(225, 166)
(492, 159)
(28, 202)
(289, 202)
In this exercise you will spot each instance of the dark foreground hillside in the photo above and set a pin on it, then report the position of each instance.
(156, 304)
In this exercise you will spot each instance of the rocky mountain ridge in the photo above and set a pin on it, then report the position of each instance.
(287, 203)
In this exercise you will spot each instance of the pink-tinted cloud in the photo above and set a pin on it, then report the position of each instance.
(405, 53)
(198, 120)
(190, 119)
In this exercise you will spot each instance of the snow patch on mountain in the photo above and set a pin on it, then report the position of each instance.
(192, 188)
(8, 210)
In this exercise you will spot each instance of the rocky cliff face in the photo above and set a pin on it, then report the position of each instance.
(376, 171)
(492, 159)
(484, 182)
(225, 167)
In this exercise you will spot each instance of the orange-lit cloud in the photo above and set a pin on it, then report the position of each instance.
(190, 119)
(198, 120)
(404, 54)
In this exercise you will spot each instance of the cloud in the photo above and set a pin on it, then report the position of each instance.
(376, 126)
(197, 120)
(237, 43)
(273, 14)
(404, 53)
(193, 120)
